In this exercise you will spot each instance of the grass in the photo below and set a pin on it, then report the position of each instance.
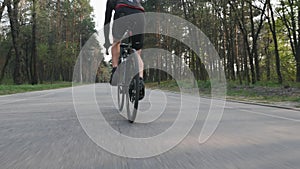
(265, 97)
(266, 92)
(12, 89)
(263, 92)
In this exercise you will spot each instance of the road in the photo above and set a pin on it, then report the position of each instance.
(40, 130)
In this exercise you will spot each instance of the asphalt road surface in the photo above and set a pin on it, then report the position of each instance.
(40, 130)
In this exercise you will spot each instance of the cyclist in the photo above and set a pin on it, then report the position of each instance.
(125, 8)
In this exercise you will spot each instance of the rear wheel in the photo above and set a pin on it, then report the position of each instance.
(133, 99)
(132, 94)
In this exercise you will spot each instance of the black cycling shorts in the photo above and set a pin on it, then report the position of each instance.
(135, 24)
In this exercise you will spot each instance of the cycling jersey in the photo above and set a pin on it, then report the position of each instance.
(116, 4)
(123, 8)
(135, 4)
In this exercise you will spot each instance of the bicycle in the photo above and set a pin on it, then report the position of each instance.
(128, 79)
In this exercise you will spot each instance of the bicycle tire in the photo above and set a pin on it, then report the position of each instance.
(133, 81)
(121, 97)
(121, 85)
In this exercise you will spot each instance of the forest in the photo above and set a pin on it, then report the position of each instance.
(257, 41)
(41, 40)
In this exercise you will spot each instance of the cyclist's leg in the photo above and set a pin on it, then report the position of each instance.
(121, 26)
(118, 30)
(138, 38)
(138, 43)
(115, 51)
(141, 74)
(141, 63)
(141, 68)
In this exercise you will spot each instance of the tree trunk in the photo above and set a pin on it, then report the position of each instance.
(253, 52)
(27, 61)
(246, 68)
(272, 25)
(34, 76)
(293, 28)
(14, 24)
(297, 56)
(298, 66)
(268, 64)
(8, 56)
(237, 56)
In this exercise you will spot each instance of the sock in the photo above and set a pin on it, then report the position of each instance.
(114, 69)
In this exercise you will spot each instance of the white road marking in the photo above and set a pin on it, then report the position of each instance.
(273, 116)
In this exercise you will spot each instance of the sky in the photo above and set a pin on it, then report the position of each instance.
(99, 12)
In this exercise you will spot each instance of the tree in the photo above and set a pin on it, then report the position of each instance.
(247, 11)
(34, 76)
(272, 25)
(13, 13)
(290, 15)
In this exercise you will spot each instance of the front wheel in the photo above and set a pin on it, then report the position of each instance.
(121, 97)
